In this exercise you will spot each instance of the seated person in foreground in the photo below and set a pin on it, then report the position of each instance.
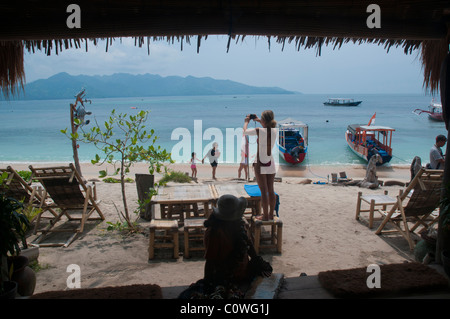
(231, 260)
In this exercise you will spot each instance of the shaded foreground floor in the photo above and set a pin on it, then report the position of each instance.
(306, 287)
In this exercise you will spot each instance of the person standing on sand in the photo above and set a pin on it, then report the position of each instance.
(264, 165)
(437, 159)
(244, 157)
(213, 156)
(194, 165)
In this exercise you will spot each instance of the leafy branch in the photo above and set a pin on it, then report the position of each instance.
(122, 139)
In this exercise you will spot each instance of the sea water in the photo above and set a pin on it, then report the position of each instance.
(30, 131)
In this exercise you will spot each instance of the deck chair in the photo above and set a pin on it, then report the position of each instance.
(16, 187)
(415, 204)
(71, 195)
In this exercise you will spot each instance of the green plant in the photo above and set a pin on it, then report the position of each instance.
(113, 180)
(175, 176)
(13, 227)
(122, 139)
(26, 175)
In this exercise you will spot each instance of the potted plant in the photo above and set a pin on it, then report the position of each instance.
(13, 227)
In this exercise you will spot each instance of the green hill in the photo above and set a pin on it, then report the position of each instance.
(63, 86)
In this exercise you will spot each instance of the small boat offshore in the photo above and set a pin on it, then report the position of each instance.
(342, 102)
(434, 111)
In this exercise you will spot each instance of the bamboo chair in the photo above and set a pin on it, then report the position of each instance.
(16, 187)
(415, 204)
(71, 195)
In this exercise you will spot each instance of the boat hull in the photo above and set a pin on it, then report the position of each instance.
(361, 152)
(436, 117)
(288, 158)
(343, 104)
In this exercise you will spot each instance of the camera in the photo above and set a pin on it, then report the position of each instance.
(252, 116)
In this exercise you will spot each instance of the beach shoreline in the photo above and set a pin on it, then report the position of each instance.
(314, 172)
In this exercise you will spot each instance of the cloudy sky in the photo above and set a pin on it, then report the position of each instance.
(353, 69)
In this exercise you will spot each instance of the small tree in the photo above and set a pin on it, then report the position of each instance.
(122, 139)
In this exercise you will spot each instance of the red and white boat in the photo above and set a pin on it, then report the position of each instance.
(368, 140)
(434, 111)
(292, 140)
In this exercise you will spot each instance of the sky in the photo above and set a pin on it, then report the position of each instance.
(355, 69)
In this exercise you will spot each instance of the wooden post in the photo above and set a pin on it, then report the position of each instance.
(74, 142)
(443, 240)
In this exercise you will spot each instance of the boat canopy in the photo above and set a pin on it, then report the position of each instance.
(340, 99)
(290, 122)
(358, 127)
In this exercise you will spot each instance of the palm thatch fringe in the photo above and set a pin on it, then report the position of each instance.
(12, 73)
(433, 54)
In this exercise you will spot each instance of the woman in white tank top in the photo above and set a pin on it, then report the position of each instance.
(265, 165)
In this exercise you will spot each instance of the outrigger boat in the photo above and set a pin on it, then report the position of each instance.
(342, 102)
(292, 140)
(368, 140)
(434, 111)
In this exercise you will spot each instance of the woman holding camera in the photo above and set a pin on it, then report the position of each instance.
(264, 165)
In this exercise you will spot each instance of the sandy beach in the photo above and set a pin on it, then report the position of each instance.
(320, 232)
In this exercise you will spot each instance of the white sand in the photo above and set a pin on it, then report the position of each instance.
(320, 233)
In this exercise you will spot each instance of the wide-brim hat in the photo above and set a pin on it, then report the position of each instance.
(230, 208)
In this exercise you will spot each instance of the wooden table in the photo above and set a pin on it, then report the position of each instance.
(182, 201)
(237, 189)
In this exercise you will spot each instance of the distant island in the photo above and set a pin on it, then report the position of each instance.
(65, 86)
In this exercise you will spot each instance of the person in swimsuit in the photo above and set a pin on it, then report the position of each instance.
(193, 165)
(213, 156)
(265, 165)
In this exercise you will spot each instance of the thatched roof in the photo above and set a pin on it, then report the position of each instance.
(41, 25)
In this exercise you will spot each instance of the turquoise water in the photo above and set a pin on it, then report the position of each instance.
(30, 130)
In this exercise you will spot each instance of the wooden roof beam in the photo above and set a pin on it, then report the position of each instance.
(249, 24)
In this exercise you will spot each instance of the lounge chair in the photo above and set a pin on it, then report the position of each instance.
(16, 187)
(71, 194)
(415, 204)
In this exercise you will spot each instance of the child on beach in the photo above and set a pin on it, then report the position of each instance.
(194, 165)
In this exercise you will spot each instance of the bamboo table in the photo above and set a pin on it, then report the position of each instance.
(182, 201)
(253, 202)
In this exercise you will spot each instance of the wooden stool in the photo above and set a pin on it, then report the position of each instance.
(194, 231)
(253, 208)
(169, 229)
(373, 201)
(275, 235)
